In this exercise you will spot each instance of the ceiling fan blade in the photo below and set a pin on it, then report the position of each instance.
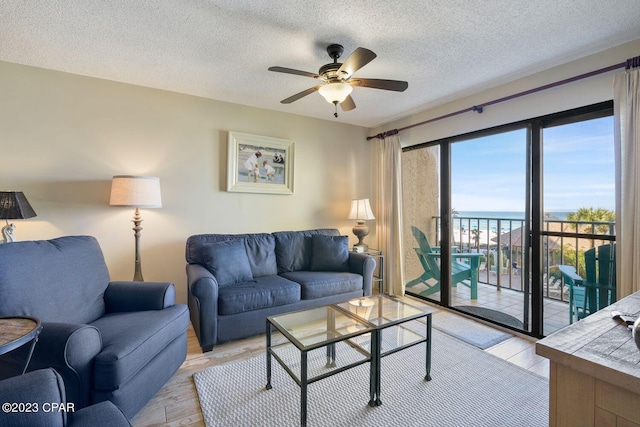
(358, 59)
(348, 104)
(396, 85)
(296, 72)
(299, 95)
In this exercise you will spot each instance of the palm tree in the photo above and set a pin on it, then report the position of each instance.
(593, 215)
(476, 237)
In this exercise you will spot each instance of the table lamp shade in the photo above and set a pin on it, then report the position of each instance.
(136, 191)
(14, 205)
(361, 210)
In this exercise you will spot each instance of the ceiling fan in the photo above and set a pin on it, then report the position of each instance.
(338, 78)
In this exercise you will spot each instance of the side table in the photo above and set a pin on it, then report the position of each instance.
(16, 331)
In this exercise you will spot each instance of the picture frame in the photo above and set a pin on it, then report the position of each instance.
(260, 164)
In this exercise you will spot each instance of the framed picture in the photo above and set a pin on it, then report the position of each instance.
(260, 164)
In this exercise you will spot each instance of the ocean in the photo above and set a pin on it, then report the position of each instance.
(516, 215)
(488, 220)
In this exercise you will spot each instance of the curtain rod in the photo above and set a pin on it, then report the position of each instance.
(628, 64)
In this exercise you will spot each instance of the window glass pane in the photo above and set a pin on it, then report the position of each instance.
(488, 193)
(421, 210)
(579, 202)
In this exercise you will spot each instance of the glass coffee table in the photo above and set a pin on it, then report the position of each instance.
(321, 342)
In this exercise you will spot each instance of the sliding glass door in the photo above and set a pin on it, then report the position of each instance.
(579, 211)
(489, 227)
(493, 217)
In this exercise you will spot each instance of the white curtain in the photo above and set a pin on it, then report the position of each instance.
(389, 203)
(627, 143)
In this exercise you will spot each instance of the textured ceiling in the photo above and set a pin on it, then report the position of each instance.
(216, 49)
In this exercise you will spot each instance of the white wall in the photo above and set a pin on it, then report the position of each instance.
(577, 94)
(63, 136)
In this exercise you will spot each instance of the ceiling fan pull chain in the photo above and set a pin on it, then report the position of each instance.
(335, 104)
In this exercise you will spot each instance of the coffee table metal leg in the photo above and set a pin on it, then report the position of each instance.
(303, 388)
(268, 386)
(331, 356)
(378, 333)
(428, 356)
(331, 348)
(373, 369)
(376, 349)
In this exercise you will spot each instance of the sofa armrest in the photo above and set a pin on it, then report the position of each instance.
(203, 304)
(33, 389)
(69, 349)
(364, 265)
(139, 296)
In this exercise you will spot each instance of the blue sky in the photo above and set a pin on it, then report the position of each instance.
(489, 174)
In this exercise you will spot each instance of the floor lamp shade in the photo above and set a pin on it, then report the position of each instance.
(138, 192)
(13, 205)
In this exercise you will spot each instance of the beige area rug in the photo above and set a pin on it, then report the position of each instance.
(469, 387)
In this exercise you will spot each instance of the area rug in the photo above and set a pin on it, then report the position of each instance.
(469, 387)
(495, 315)
(467, 330)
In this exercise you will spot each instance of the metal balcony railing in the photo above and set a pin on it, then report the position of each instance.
(502, 240)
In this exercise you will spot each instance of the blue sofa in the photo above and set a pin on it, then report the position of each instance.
(117, 341)
(237, 280)
(44, 393)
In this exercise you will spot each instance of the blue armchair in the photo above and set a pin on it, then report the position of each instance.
(117, 341)
(43, 393)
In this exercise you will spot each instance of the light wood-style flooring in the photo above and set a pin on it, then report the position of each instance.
(176, 404)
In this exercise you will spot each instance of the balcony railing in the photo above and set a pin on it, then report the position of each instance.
(502, 242)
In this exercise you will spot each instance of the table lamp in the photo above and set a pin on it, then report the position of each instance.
(138, 192)
(361, 212)
(13, 205)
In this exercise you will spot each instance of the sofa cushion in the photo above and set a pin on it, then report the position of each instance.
(227, 261)
(318, 284)
(262, 292)
(329, 253)
(131, 340)
(260, 249)
(293, 248)
(58, 280)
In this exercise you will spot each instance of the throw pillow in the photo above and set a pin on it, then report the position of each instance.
(329, 253)
(227, 261)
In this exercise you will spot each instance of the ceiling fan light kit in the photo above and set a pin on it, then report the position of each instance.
(336, 76)
(335, 93)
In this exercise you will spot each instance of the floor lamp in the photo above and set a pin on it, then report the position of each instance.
(138, 192)
(13, 205)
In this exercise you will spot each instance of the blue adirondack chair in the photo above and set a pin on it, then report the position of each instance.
(429, 259)
(598, 288)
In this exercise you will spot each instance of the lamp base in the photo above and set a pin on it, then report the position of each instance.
(137, 220)
(360, 230)
(7, 233)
